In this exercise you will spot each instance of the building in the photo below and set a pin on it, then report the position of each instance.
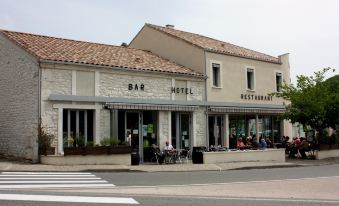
(167, 85)
(93, 91)
(238, 85)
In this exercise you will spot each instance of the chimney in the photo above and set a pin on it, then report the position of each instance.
(170, 26)
(124, 44)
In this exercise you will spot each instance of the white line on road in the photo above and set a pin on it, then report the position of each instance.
(78, 199)
(240, 198)
(55, 186)
(50, 178)
(229, 183)
(44, 175)
(60, 181)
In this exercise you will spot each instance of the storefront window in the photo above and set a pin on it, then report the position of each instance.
(276, 129)
(77, 127)
(215, 130)
(181, 130)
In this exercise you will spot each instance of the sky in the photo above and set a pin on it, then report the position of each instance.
(307, 29)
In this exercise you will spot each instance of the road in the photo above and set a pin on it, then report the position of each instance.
(316, 185)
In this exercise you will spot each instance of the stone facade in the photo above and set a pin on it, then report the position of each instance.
(19, 102)
(53, 81)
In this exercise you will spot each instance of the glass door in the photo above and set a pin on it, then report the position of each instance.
(132, 130)
(181, 130)
(215, 130)
(185, 132)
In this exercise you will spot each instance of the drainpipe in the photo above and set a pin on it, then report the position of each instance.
(36, 157)
(206, 121)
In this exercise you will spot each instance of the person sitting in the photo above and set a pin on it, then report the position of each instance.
(263, 144)
(268, 142)
(158, 155)
(169, 152)
(255, 144)
(240, 144)
(303, 148)
(248, 144)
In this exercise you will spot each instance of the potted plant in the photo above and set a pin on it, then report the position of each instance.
(44, 141)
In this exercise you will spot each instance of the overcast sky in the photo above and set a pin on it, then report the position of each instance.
(307, 29)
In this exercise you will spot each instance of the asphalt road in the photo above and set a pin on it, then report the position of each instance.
(207, 177)
(316, 185)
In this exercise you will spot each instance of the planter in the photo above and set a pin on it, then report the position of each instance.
(46, 151)
(100, 150)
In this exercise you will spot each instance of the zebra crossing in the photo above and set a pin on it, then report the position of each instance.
(36, 180)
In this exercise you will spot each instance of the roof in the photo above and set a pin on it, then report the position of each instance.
(65, 50)
(214, 45)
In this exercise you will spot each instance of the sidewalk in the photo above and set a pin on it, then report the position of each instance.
(6, 165)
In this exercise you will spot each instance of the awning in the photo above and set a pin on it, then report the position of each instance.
(246, 110)
(157, 107)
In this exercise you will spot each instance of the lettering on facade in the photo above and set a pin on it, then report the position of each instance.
(136, 87)
(182, 90)
(256, 97)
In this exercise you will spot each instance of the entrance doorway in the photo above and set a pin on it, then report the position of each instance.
(133, 128)
(215, 124)
(181, 130)
(139, 128)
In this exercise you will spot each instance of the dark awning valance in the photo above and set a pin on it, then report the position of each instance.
(150, 107)
(247, 110)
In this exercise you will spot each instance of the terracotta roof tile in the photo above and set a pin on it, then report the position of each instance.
(65, 50)
(214, 45)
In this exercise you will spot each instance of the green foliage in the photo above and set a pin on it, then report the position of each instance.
(44, 138)
(313, 102)
(80, 141)
(109, 141)
(90, 144)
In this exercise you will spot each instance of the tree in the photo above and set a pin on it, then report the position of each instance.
(313, 101)
(332, 108)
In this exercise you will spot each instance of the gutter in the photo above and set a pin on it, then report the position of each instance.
(121, 68)
(206, 113)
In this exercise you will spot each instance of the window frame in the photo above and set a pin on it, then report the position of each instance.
(247, 68)
(212, 75)
(275, 78)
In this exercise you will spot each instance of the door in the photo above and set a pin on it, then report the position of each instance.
(132, 130)
(181, 130)
(215, 124)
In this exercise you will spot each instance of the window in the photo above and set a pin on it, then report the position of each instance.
(278, 81)
(250, 79)
(216, 75)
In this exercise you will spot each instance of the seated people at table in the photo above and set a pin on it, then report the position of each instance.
(304, 147)
(268, 142)
(240, 144)
(263, 144)
(169, 149)
(248, 144)
(285, 142)
(255, 144)
(158, 155)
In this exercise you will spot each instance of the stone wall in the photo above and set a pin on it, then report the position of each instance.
(116, 85)
(19, 83)
(199, 127)
(53, 81)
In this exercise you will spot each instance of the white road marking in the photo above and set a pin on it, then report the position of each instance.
(61, 181)
(60, 173)
(240, 198)
(230, 183)
(45, 175)
(78, 199)
(50, 178)
(39, 180)
(55, 186)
